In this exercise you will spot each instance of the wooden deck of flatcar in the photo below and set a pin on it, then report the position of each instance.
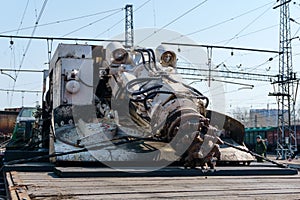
(52, 185)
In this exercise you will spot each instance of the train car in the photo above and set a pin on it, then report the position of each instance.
(269, 134)
(7, 123)
(23, 128)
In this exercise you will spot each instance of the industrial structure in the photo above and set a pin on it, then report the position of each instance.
(285, 94)
(129, 33)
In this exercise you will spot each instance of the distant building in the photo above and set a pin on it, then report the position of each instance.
(264, 117)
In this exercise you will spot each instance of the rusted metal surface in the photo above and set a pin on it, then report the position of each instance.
(7, 121)
(17, 190)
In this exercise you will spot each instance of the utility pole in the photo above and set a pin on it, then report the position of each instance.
(286, 133)
(128, 26)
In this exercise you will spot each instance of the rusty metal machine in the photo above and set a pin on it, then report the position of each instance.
(131, 105)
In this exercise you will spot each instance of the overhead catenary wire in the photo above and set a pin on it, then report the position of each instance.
(222, 47)
(174, 20)
(296, 22)
(230, 48)
(28, 44)
(21, 70)
(256, 84)
(123, 19)
(92, 23)
(221, 23)
(32, 34)
(23, 91)
(248, 25)
(267, 61)
(142, 5)
(238, 35)
(250, 33)
(22, 18)
(114, 25)
(256, 31)
(13, 56)
(58, 38)
(61, 21)
(245, 99)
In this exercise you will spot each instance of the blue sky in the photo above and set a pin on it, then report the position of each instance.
(249, 24)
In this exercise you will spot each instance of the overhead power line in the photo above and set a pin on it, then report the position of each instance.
(123, 19)
(61, 21)
(26, 91)
(222, 47)
(32, 34)
(252, 32)
(2, 71)
(91, 23)
(195, 80)
(21, 22)
(21, 70)
(174, 20)
(58, 38)
(248, 25)
(226, 74)
(222, 22)
(29, 42)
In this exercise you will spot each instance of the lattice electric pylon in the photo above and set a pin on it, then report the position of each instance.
(129, 26)
(286, 133)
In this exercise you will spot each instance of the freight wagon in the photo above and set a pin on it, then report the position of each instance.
(7, 123)
(269, 134)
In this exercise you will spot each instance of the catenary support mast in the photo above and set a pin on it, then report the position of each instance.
(129, 26)
(286, 133)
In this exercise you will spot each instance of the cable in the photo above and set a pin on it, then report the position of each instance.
(146, 90)
(259, 30)
(248, 25)
(12, 61)
(21, 70)
(246, 34)
(154, 13)
(267, 61)
(96, 21)
(114, 25)
(118, 22)
(102, 145)
(174, 20)
(28, 45)
(296, 22)
(13, 56)
(28, 91)
(62, 21)
(33, 31)
(21, 22)
(142, 5)
(58, 38)
(221, 23)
